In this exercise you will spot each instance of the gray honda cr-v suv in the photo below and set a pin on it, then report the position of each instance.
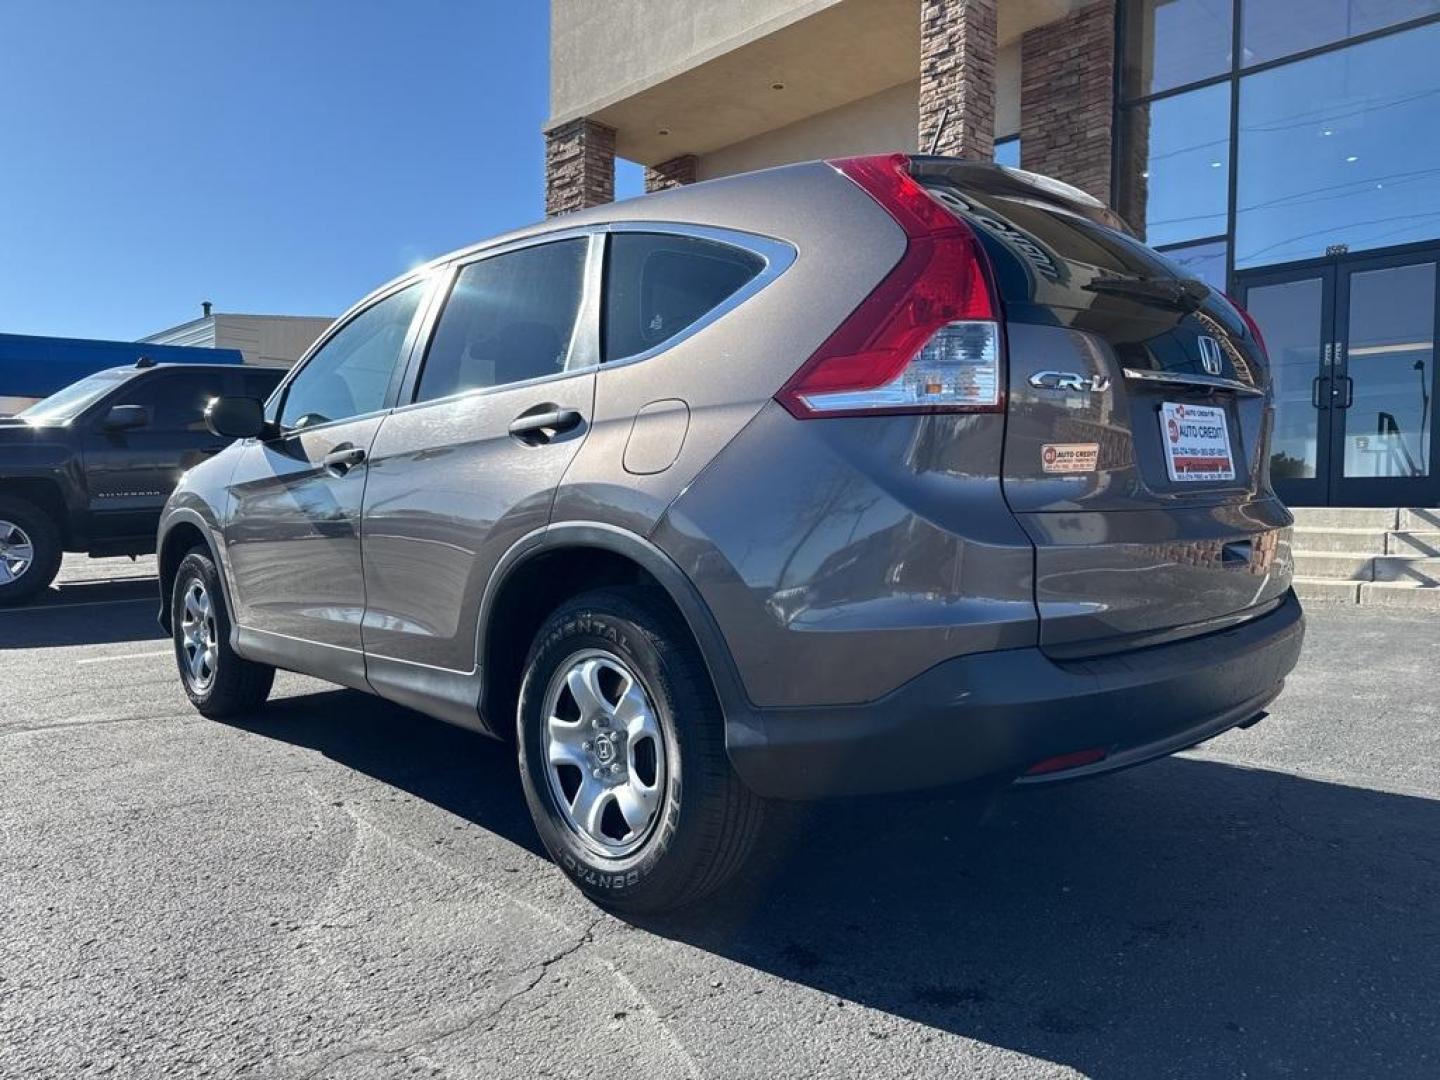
(841, 477)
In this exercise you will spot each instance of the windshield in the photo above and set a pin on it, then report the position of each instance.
(65, 405)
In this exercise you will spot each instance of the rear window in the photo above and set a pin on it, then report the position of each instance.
(658, 285)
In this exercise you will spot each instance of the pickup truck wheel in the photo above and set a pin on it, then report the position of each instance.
(30, 550)
(218, 682)
(622, 756)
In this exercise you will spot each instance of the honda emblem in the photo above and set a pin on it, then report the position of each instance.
(1210, 355)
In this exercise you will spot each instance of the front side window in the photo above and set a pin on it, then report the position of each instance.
(657, 285)
(176, 399)
(509, 318)
(351, 373)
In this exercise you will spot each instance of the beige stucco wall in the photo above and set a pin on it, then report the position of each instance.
(602, 49)
(873, 125)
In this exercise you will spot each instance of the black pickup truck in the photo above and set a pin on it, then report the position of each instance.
(90, 467)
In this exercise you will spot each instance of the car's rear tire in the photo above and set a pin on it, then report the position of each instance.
(643, 739)
(30, 550)
(218, 682)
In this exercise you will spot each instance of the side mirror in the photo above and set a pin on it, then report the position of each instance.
(236, 417)
(126, 418)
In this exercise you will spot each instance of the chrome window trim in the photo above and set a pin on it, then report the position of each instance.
(778, 256)
(1204, 382)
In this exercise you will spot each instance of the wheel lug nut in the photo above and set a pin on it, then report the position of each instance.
(586, 745)
(615, 768)
(596, 774)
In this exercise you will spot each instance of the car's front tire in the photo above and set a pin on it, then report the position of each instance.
(622, 755)
(30, 550)
(218, 681)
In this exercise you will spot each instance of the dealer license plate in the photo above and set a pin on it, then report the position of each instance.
(1197, 442)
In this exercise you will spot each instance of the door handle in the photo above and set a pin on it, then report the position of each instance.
(1316, 395)
(342, 459)
(543, 423)
(1349, 391)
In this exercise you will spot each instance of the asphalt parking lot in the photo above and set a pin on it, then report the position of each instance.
(339, 888)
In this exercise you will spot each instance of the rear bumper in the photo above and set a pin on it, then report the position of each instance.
(994, 715)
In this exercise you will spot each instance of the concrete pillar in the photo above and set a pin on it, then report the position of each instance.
(957, 77)
(1067, 98)
(579, 166)
(673, 173)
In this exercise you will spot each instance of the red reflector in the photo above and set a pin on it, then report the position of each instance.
(942, 278)
(1073, 760)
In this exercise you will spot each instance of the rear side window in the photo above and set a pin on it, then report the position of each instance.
(657, 285)
(509, 318)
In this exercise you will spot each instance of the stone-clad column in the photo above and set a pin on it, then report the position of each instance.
(579, 166)
(676, 172)
(957, 77)
(1067, 98)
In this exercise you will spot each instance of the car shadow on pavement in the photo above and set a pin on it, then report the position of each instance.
(1190, 918)
(1186, 919)
(461, 771)
(84, 613)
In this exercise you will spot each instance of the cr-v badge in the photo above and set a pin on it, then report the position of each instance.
(1068, 380)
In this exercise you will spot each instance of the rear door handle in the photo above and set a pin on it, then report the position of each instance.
(343, 458)
(543, 423)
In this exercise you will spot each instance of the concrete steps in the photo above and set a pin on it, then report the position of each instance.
(1380, 557)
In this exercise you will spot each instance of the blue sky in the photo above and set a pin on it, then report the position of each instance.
(276, 156)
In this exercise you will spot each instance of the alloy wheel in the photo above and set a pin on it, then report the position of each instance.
(17, 552)
(199, 643)
(604, 751)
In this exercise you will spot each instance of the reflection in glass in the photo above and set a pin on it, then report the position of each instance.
(1175, 177)
(1391, 362)
(1270, 29)
(1007, 152)
(1340, 148)
(1290, 319)
(1205, 262)
(1173, 43)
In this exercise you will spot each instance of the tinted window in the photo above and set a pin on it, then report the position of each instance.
(656, 285)
(176, 399)
(1175, 42)
(260, 382)
(1275, 28)
(1205, 262)
(509, 318)
(1175, 184)
(1340, 149)
(351, 373)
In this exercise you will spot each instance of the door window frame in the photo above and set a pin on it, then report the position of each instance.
(427, 280)
(585, 348)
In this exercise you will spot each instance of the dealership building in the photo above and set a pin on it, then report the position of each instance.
(1286, 151)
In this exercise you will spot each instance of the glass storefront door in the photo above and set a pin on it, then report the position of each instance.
(1352, 353)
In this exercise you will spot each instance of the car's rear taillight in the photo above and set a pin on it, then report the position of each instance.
(928, 338)
(1251, 323)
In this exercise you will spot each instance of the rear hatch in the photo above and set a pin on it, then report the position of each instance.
(1138, 417)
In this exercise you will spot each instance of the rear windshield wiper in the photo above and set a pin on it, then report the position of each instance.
(1181, 295)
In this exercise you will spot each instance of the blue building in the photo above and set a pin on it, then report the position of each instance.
(35, 367)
